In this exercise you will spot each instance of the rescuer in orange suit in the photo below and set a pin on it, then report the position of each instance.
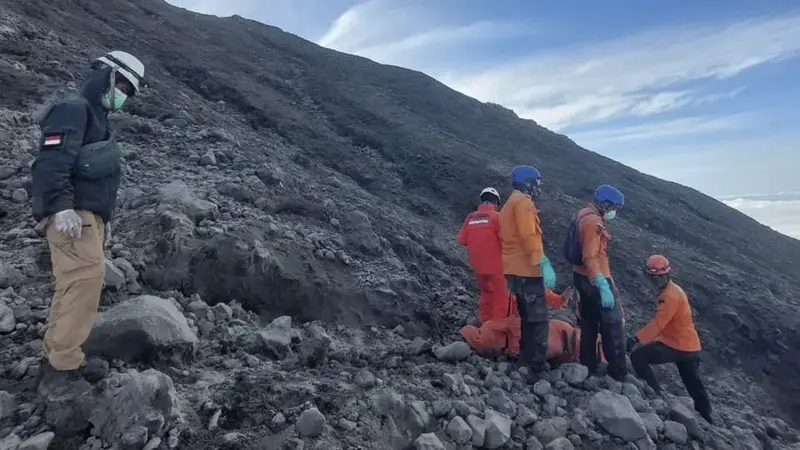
(481, 235)
(670, 337)
(502, 336)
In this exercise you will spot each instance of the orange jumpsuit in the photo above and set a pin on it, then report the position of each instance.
(503, 335)
(481, 235)
(672, 325)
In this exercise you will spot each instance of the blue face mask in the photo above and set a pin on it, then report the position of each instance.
(118, 98)
(609, 215)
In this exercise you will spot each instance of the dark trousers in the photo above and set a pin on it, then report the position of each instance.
(608, 322)
(688, 367)
(534, 319)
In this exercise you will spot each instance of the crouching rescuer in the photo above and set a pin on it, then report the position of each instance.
(75, 178)
(585, 247)
(670, 337)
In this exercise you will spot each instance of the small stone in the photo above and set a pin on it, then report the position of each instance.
(278, 421)
(574, 373)
(561, 443)
(457, 351)
(311, 423)
(428, 441)
(365, 379)
(459, 431)
(542, 388)
(38, 442)
(675, 432)
(19, 195)
(498, 429)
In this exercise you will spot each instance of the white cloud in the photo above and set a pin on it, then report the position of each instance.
(591, 82)
(410, 35)
(685, 126)
(780, 212)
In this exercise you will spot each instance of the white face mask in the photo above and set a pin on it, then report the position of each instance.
(609, 215)
(113, 102)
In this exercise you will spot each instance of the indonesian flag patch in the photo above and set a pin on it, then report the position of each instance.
(51, 140)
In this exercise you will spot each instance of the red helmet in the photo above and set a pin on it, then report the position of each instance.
(657, 265)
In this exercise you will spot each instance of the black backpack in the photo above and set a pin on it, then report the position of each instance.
(573, 250)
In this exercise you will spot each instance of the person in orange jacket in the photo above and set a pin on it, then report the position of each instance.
(502, 336)
(670, 337)
(527, 268)
(585, 247)
(480, 233)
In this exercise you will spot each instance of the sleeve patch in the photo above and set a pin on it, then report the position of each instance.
(52, 140)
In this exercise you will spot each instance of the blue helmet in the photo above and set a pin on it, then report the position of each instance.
(523, 174)
(609, 194)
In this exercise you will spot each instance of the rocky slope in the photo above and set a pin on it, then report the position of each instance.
(266, 174)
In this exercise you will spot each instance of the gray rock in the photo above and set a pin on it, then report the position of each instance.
(682, 414)
(134, 406)
(208, 159)
(139, 327)
(19, 195)
(311, 423)
(459, 431)
(8, 322)
(277, 337)
(561, 443)
(616, 415)
(67, 404)
(114, 277)
(38, 442)
(574, 373)
(366, 380)
(525, 416)
(533, 444)
(222, 312)
(548, 430)
(652, 423)
(10, 442)
(646, 443)
(542, 388)
(498, 429)
(428, 441)
(457, 351)
(177, 196)
(497, 399)
(478, 427)
(675, 432)
(8, 405)
(10, 276)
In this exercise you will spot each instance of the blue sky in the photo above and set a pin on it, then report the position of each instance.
(704, 93)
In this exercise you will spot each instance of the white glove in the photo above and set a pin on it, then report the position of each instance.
(107, 234)
(69, 223)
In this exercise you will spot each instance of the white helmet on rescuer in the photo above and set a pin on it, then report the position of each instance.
(126, 65)
(492, 191)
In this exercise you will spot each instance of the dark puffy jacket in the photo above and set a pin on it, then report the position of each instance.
(78, 165)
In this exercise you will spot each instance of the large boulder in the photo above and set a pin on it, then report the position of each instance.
(615, 413)
(142, 328)
(134, 407)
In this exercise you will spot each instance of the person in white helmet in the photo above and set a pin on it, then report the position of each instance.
(481, 235)
(75, 178)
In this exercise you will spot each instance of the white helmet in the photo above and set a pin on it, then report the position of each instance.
(492, 191)
(126, 65)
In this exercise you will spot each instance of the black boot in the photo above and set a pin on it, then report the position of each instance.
(47, 374)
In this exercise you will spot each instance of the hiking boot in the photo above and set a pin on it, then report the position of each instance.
(48, 375)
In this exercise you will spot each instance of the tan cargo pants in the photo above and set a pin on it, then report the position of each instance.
(79, 269)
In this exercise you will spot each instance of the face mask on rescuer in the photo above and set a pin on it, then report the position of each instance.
(119, 99)
(609, 215)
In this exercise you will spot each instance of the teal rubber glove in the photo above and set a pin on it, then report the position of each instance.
(606, 296)
(548, 274)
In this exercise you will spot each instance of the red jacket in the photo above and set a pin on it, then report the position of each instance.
(481, 235)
